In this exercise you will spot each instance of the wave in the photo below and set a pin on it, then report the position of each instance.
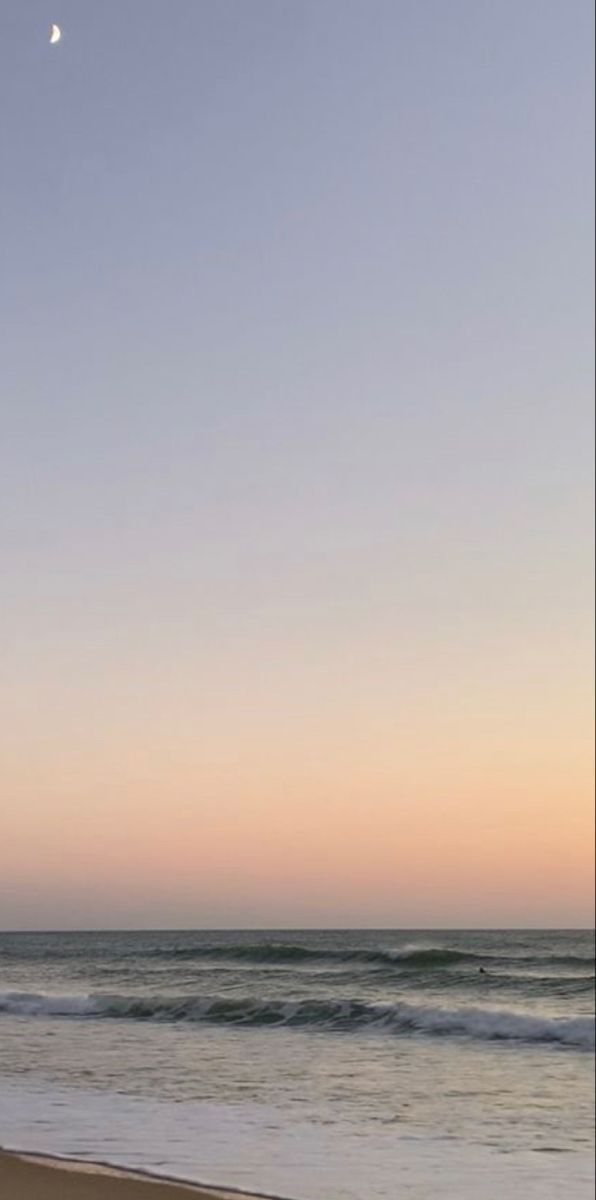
(404, 957)
(340, 1015)
(290, 952)
(412, 958)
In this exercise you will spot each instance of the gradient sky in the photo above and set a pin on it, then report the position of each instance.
(295, 467)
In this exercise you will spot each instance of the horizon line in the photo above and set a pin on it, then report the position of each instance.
(314, 929)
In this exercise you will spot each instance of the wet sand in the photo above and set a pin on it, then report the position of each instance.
(28, 1177)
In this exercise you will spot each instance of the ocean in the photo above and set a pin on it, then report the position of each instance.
(352, 1065)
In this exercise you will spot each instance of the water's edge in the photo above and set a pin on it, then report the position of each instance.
(102, 1166)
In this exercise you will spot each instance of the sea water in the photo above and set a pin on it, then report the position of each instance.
(361, 1065)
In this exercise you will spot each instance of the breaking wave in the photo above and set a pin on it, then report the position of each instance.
(414, 957)
(340, 1015)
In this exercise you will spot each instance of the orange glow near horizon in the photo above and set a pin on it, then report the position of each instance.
(443, 810)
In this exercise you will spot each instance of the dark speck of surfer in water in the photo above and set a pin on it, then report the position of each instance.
(481, 971)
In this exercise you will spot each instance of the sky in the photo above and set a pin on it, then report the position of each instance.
(295, 463)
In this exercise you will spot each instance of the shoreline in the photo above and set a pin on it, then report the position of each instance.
(27, 1175)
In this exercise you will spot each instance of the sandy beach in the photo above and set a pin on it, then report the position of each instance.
(28, 1177)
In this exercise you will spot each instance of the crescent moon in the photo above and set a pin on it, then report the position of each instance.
(55, 34)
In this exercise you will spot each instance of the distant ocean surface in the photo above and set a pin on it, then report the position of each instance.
(361, 1065)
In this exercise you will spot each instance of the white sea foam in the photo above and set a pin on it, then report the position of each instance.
(345, 1015)
(258, 1148)
(500, 1024)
